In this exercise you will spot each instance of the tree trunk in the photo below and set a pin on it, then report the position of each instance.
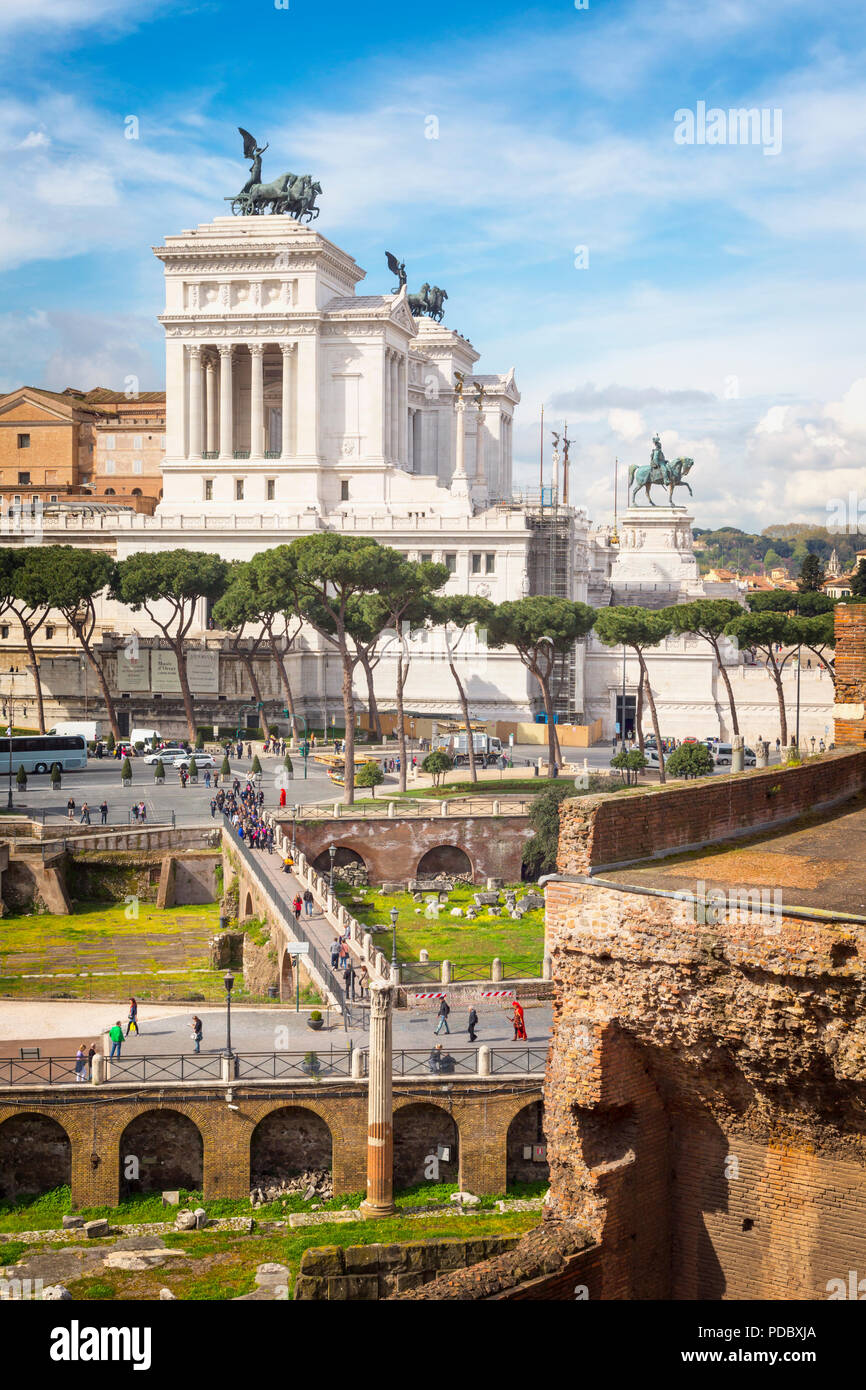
(247, 659)
(551, 727)
(188, 701)
(652, 704)
(284, 680)
(464, 709)
(638, 713)
(780, 695)
(724, 675)
(349, 718)
(372, 706)
(103, 684)
(401, 727)
(824, 662)
(34, 667)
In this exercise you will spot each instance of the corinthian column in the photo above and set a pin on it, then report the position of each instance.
(380, 1108)
(226, 413)
(479, 449)
(257, 400)
(195, 402)
(285, 446)
(395, 407)
(210, 399)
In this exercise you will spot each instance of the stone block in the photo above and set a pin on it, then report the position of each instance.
(325, 1260)
(309, 1289)
(200, 1218)
(171, 1199)
(415, 1256)
(270, 1274)
(362, 1288)
(72, 1223)
(185, 1221)
(55, 1293)
(338, 1289)
(362, 1259)
(450, 1254)
(390, 1257)
(409, 1281)
(166, 1296)
(94, 1230)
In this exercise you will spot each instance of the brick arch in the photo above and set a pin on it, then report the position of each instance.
(168, 1147)
(248, 906)
(346, 854)
(525, 1131)
(35, 1154)
(421, 1129)
(288, 1140)
(445, 859)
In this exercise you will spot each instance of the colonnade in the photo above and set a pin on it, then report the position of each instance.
(211, 391)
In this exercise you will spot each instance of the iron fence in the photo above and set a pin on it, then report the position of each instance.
(518, 1059)
(462, 1061)
(415, 972)
(169, 1067)
(50, 1071)
(278, 1066)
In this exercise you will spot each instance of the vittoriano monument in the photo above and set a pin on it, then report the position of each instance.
(430, 300)
(659, 472)
(294, 194)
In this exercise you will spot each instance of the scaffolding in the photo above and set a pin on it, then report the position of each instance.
(550, 571)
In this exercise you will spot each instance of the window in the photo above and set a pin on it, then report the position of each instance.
(476, 564)
(110, 465)
(489, 564)
(425, 557)
(208, 489)
(16, 501)
(450, 562)
(136, 466)
(136, 492)
(271, 489)
(136, 441)
(239, 489)
(344, 489)
(4, 632)
(49, 633)
(53, 497)
(109, 441)
(24, 441)
(109, 492)
(23, 479)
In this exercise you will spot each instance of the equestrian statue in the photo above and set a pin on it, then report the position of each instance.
(294, 194)
(659, 472)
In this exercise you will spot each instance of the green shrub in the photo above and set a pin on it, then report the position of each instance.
(21, 779)
(690, 760)
(56, 774)
(369, 775)
(315, 1016)
(288, 764)
(437, 764)
(159, 770)
(126, 769)
(539, 853)
(193, 767)
(256, 766)
(225, 768)
(199, 740)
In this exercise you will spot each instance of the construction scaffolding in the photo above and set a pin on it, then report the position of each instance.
(550, 570)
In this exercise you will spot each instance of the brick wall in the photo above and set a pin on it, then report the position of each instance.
(393, 849)
(850, 664)
(598, 831)
(370, 1272)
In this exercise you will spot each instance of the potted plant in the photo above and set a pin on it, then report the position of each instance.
(126, 773)
(315, 1021)
(159, 772)
(21, 779)
(289, 767)
(311, 1064)
(109, 743)
(55, 777)
(199, 740)
(193, 769)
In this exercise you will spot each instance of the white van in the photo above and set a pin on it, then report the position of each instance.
(149, 737)
(89, 729)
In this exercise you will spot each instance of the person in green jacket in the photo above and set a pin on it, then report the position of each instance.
(116, 1036)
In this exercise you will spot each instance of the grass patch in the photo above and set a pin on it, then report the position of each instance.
(469, 945)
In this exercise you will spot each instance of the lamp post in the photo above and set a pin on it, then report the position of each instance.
(9, 732)
(394, 914)
(229, 982)
(332, 850)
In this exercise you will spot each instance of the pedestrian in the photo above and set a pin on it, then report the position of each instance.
(444, 1011)
(335, 952)
(142, 812)
(91, 1053)
(70, 809)
(81, 1063)
(103, 813)
(135, 811)
(249, 750)
(197, 1032)
(282, 796)
(363, 981)
(308, 903)
(213, 807)
(207, 777)
(85, 814)
(296, 906)
(116, 1038)
(473, 1024)
(349, 980)
(133, 1017)
(519, 1025)
(344, 954)
(288, 864)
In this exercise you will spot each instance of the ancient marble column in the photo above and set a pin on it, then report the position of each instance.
(479, 449)
(395, 408)
(286, 349)
(459, 481)
(195, 402)
(210, 401)
(403, 409)
(257, 400)
(380, 1107)
(226, 413)
(386, 406)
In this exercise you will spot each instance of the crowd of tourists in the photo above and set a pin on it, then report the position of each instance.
(244, 810)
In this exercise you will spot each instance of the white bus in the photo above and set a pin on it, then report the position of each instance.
(39, 752)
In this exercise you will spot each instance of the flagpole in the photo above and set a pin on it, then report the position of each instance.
(541, 461)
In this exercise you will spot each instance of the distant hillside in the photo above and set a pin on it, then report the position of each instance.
(785, 544)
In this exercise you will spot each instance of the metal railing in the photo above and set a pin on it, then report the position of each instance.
(170, 1067)
(50, 1071)
(518, 1059)
(425, 808)
(415, 972)
(278, 1066)
(459, 1061)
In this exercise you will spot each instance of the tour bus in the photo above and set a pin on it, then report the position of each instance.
(39, 752)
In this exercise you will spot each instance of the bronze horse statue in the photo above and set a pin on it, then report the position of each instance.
(671, 474)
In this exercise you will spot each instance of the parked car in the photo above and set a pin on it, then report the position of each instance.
(722, 754)
(167, 755)
(202, 760)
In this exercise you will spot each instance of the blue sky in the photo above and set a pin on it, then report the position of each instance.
(722, 302)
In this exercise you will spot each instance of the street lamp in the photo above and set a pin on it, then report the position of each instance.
(9, 732)
(394, 914)
(332, 850)
(229, 982)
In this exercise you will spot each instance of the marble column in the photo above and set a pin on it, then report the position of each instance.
(403, 409)
(459, 480)
(210, 400)
(479, 449)
(386, 405)
(395, 408)
(286, 442)
(226, 402)
(195, 402)
(380, 1107)
(257, 400)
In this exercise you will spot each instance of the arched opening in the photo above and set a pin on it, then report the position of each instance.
(136, 492)
(248, 907)
(287, 979)
(161, 1149)
(348, 865)
(35, 1156)
(109, 492)
(450, 860)
(289, 1141)
(425, 1145)
(525, 1146)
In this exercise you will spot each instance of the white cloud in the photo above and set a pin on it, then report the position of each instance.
(628, 424)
